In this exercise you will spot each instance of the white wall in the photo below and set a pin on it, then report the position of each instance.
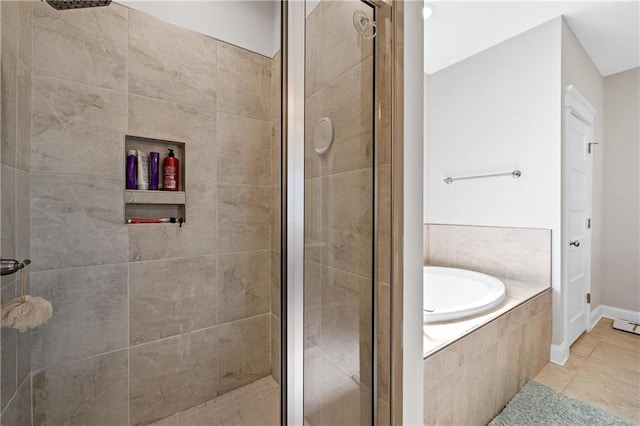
(494, 112)
(621, 201)
(253, 25)
(413, 380)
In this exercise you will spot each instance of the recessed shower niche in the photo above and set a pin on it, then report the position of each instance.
(154, 204)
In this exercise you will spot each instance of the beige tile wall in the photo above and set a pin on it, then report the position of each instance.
(470, 381)
(15, 167)
(153, 319)
(521, 254)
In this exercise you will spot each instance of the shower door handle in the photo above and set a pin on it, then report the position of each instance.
(575, 243)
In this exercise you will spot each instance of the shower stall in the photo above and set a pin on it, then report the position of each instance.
(268, 298)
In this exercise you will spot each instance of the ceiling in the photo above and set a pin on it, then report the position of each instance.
(608, 30)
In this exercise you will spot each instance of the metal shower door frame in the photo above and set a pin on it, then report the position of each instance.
(292, 221)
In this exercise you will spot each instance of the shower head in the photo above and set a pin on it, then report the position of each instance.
(77, 4)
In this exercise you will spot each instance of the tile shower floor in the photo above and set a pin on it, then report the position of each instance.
(254, 404)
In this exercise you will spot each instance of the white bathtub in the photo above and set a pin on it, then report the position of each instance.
(451, 293)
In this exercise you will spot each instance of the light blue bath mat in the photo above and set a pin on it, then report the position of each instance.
(539, 405)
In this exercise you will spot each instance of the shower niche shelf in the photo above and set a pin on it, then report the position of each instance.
(156, 204)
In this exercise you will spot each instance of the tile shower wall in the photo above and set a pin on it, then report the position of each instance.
(149, 319)
(521, 254)
(15, 124)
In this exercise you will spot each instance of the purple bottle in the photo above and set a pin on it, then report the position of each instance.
(154, 170)
(132, 164)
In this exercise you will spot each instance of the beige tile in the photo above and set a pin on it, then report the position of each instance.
(442, 245)
(172, 374)
(90, 313)
(93, 391)
(276, 153)
(481, 249)
(609, 386)
(170, 121)
(10, 24)
(333, 45)
(584, 346)
(197, 237)
(350, 221)
(275, 348)
(8, 344)
(312, 300)
(23, 117)
(87, 46)
(315, 220)
(511, 365)
(8, 200)
(244, 145)
(275, 283)
(555, 376)
(18, 412)
(9, 87)
(606, 334)
(276, 86)
(442, 363)
(244, 285)
(345, 320)
(330, 396)
(244, 83)
(77, 128)
(608, 353)
(243, 218)
(171, 297)
(76, 221)
(348, 103)
(25, 32)
(243, 352)
(160, 52)
(275, 217)
(528, 255)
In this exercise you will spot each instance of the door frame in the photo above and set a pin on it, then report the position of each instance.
(577, 105)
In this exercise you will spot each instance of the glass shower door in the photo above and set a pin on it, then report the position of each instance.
(339, 213)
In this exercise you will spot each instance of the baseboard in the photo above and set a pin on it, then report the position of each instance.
(596, 314)
(559, 354)
(619, 313)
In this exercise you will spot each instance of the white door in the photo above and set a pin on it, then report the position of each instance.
(577, 249)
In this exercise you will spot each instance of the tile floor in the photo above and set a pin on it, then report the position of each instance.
(254, 404)
(603, 370)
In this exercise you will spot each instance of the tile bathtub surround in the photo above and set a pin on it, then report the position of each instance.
(521, 254)
(15, 147)
(152, 303)
(470, 381)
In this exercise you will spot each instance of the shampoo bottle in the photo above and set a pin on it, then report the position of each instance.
(154, 170)
(132, 169)
(171, 172)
